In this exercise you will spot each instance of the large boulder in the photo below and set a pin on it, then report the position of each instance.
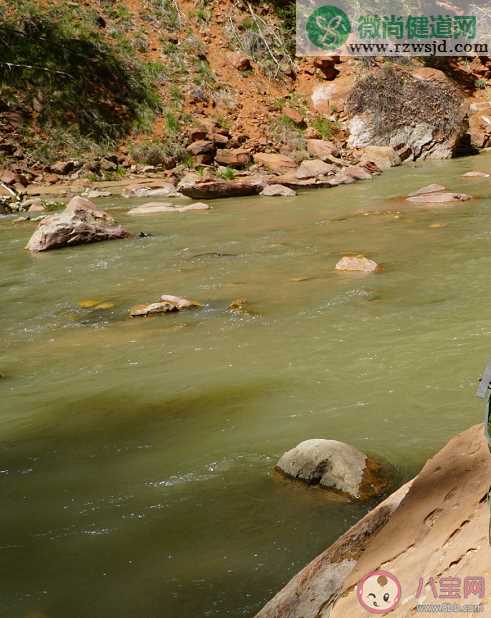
(334, 465)
(233, 157)
(81, 222)
(313, 168)
(276, 163)
(384, 157)
(421, 114)
(432, 528)
(321, 149)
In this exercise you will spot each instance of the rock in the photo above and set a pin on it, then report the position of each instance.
(332, 96)
(240, 306)
(62, 167)
(333, 465)
(321, 149)
(276, 163)
(214, 189)
(327, 65)
(179, 302)
(142, 311)
(421, 112)
(36, 207)
(439, 198)
(340, 179)
(220, 140)
(277, 190)
(475, 175)
(51, 179)
(8, 177)
(357, 172)
(197, 134)
(195, 206)
(294, 115)
(108, 165)
(81, 222)
(428, 189)
(202, 147)
(151, 208)
(384, 157)
(233, 157)
(239, 61)
(480, 129)
(164, 190)
(358, 263)
(96, 193)
(313, 168)
(435, 526)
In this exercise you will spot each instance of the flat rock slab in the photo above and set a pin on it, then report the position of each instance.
(215, 189)
(152, 208)
(80, 223)
(439, 198)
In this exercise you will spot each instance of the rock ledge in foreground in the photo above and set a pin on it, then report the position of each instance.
(434, 526)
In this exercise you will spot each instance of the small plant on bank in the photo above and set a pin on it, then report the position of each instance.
(324, 126)
(226, 173)
(481, 83)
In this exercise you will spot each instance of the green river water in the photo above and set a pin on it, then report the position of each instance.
(136, 455)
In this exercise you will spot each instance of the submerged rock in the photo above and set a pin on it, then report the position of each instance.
(179, 302)
(434, 188)
(153, 308)
(277, 190)
(81, 222)
(439, 198)
(167, 304)
(433, 527)
(475, 175)
(334, 465)
(151, 208)
(358, 263)
(164, 190)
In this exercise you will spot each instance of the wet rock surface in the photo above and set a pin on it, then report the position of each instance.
(81, 222)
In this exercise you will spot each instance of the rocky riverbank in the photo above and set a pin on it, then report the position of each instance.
(431, 532)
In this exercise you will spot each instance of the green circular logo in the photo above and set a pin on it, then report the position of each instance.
(328, 27)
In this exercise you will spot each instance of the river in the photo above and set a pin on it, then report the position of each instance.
(136, 455)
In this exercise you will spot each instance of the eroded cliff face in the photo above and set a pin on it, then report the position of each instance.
(436, 527)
